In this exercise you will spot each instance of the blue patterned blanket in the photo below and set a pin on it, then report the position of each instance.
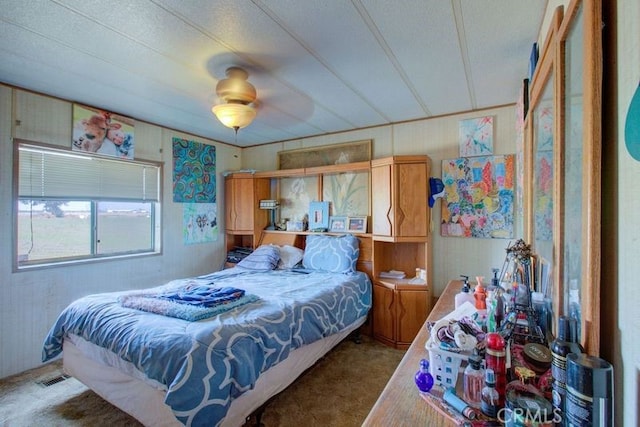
(206, 364)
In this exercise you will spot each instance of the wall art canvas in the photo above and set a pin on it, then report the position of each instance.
(194, 172)
(102, 132)
(479, 196)
(348, 193)
(349, 152)
(476, 136)
(199, 223)
(295, 194)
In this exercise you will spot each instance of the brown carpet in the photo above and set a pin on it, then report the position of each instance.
(338, 391)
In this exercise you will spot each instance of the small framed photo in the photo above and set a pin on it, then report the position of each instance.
(338, 223)
(318, 216)
(357, 224)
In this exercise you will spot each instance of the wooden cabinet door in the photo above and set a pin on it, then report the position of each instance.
(411, 200)
(239, 200)
(381, 190)
(383, 313)
(412, 311)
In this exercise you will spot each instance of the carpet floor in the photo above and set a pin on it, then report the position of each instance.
(339, 391)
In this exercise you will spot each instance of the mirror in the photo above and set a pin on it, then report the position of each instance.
(572, 180)
(579, 195)
(543, 176)
(541, 166)
(562, 160)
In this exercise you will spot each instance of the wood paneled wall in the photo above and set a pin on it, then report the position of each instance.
(438, 138)
(30, 301)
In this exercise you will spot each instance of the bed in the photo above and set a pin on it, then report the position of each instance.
(165, 370)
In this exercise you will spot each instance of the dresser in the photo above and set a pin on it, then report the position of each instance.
(399, 403)
(399, 310)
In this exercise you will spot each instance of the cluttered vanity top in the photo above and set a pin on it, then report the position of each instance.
(515, 360)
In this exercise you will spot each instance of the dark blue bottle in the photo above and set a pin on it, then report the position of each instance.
(424, 379)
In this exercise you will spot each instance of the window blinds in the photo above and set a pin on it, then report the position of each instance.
(52, 173)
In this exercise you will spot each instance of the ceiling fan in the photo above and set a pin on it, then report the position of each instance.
(238, 95)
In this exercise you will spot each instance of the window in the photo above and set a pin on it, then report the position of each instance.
(73, 206)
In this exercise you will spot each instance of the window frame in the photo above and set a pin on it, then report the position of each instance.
(155, 219)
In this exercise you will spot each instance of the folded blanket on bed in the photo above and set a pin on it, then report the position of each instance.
(201, 295)
(191, 302)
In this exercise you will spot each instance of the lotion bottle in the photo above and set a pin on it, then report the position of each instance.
(480, 300)
(465, 294)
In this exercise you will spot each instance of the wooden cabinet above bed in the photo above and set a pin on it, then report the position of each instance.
(244, 220)
(400, 203)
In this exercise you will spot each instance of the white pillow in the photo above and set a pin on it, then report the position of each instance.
(290, 256)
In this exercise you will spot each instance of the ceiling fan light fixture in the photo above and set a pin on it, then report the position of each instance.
(233, 115)
(238, 94)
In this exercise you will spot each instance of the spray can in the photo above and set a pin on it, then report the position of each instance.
(589, 391)
(560, 348)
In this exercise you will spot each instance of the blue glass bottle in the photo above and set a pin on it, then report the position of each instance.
(424, 379)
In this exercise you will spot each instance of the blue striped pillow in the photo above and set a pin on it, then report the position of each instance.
(264, 258)
(335, 254)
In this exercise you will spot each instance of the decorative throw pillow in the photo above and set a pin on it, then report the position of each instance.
(336, 254)
(264, 258)
(290, 256)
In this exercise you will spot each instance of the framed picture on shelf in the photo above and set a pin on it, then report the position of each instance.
(338, 223)
(318, 216)
(357, 224)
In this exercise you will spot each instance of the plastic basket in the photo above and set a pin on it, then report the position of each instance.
(445, 366)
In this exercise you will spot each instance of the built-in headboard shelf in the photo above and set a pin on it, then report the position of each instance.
(299, 238)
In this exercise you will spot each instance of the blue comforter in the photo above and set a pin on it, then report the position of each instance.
(206, 364)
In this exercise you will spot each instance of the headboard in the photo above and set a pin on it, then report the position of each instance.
(281, 238)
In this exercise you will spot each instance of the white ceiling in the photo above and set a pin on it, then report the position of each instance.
(319, 66)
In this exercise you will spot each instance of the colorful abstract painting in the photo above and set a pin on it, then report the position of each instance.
(194, 172)
(476, 136)
(479, 196)
(199, 223)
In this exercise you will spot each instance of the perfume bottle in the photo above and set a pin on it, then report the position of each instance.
(473, 381)
(489, 404)
(423, 378)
